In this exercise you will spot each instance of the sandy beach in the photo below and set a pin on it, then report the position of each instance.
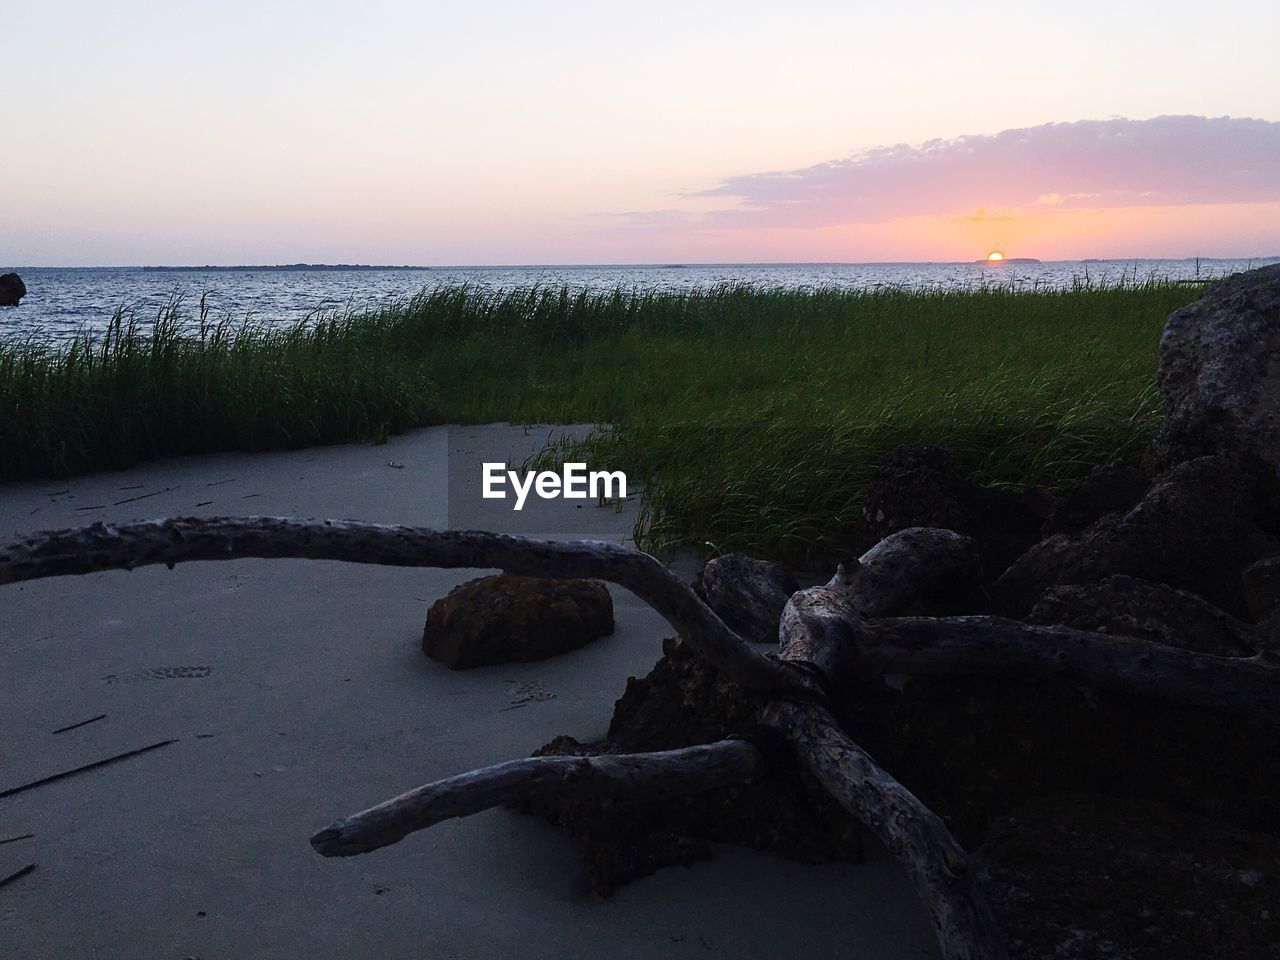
(297, 692)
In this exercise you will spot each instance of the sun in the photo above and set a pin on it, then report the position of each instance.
(995, 256)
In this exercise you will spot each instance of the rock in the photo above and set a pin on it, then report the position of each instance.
(1111, 488)
(747, 594)
(1220, 371)
(1150, 611)
(12, 289)
(511, 619)
(1084, 877)
(1262, 588)
(1196, 529)
(919, 486)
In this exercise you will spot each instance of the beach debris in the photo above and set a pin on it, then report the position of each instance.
(145, 496)
(398, 464)
(185, 672)
(514, 619)
(11, 791)
(749, 595)
(24, 836)
(17, 875)
(82, 723)
(828, 654)
(1219, 374)
(12, 289)
(527, 692)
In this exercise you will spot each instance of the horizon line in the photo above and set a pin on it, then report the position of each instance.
(659, 264)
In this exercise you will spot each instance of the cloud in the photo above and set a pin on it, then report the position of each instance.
(1090, 164)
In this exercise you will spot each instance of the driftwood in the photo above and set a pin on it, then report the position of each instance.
(823, 626)
(827, 636)
(963, 921)
(62, 775)
(184, 539)
(636, 776)
(749, 595)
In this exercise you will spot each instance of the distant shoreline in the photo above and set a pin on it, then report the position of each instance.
(666, 265)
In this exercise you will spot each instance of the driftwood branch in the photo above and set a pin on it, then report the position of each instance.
(938, 867)
(908, 566)
(1245, 686)
(185, 539)
(635, 776)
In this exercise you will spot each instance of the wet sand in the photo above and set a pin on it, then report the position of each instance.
(297, 692)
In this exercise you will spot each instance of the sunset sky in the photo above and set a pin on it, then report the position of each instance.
(566, 132)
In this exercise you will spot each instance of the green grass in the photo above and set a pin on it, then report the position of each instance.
(753, 417)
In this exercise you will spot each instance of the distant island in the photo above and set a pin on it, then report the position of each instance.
(282, 267)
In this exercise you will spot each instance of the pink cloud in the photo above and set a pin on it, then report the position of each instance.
(1091, 164)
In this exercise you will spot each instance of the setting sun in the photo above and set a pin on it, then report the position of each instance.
(995, 256)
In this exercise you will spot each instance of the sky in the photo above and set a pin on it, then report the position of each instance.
(565, 132)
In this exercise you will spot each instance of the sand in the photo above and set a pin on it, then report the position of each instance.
(298, 693)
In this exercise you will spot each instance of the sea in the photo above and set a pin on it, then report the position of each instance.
(65, 302)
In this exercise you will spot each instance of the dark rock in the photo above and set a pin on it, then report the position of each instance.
(747, 594)
(1150, 611)
(919, 486)
(1082, 877)
(1111, 488)
(1262, 587)
(510, 619)
(1220, 371)
(1196, 529)
(973, 748)
(12, 289)
(684, 701)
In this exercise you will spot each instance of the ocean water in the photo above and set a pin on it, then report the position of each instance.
(64, 302)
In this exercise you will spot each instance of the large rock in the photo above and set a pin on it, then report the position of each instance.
(919, 486)
(1197, 528)
(12, 289)
(1220, 371)
(1150, 611)
(747, 594)
(1085, 877)
(1262, 588)
(510, 619)
(1111, 488)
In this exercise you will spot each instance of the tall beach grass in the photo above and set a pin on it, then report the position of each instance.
(752, 416)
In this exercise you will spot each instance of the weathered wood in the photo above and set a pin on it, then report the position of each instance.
(1244, 686)
(896, 573)
(636, 776)
(185, 539)
(747, 594)
(938, 867)
(909, 567)
(84, 768)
